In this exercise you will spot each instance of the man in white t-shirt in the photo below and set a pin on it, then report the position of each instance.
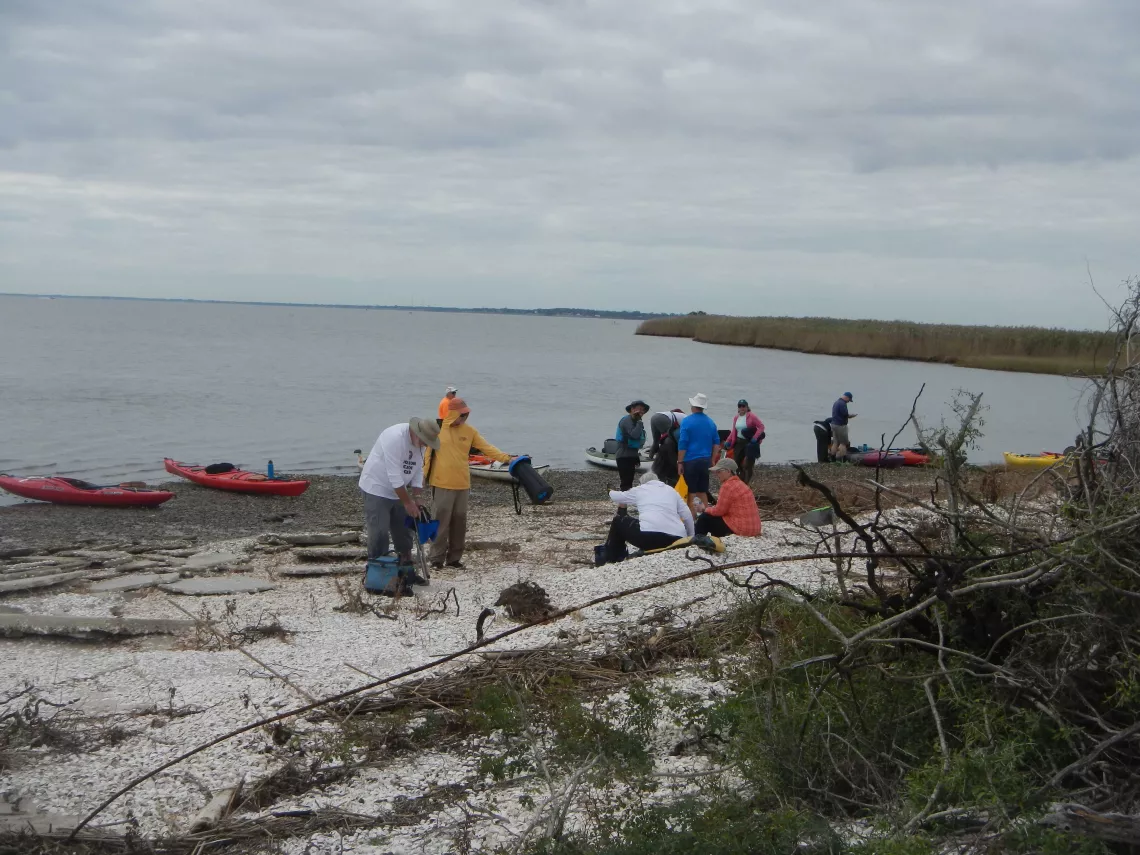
(393, 475)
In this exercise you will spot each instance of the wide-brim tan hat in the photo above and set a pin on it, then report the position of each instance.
(700, 400)
(426, 430)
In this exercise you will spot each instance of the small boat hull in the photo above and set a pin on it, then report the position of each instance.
(911, 457)
(1045, 460)
(68, 491)
(237, 480)
(608, 461)
(490, 473)
(879, 460)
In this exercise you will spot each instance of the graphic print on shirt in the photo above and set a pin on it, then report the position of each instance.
(409, 464)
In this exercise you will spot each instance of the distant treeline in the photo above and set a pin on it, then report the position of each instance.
(608, 314)
(1032, 349)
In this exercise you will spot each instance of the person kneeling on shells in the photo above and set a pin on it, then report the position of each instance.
(735, 511)
(663, 515)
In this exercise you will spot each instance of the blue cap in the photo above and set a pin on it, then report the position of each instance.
(849, 395)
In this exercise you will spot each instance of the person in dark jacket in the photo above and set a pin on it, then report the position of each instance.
(840, 416)
(666, 429)
(630, 438)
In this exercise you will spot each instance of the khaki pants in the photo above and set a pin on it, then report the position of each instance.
(450, 508)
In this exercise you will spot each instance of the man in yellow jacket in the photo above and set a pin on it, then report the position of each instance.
(450, 479)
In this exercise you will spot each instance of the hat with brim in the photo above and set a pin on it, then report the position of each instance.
(426, 431)
(726, 464)
(637, 403)
(450, 390)
(700, 401)
(848, 395)
(458, 405)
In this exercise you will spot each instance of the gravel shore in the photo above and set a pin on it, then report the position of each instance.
(202, 514)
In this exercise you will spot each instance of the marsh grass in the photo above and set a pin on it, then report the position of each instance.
(1025, 349)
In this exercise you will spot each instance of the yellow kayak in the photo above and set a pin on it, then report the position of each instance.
(1032, 461)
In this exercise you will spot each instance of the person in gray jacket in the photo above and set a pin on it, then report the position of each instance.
(630, 439)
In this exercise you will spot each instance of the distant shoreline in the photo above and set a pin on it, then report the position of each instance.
(550, 313)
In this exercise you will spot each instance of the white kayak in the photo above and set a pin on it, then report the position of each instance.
(609, 461)
(491, 471)
(499, 471)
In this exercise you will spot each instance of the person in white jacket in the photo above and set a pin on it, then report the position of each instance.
(663, 518)
(392, 477)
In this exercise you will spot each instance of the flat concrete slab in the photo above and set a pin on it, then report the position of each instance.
(34, 582)
(133, 582)
(332, 553)
(212, 560)
(87, 628)
(208, 586)
(103, 555)
(36, 572)
(323, 570)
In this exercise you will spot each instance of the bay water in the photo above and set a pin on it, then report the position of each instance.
(104, 389)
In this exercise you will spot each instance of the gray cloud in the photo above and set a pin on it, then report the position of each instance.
(937, 161)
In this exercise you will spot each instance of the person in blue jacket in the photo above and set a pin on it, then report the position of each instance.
(630, 438)
(697, 449)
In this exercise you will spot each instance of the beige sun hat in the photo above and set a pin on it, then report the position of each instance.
(700, 400)
(426, 430)
(726, 464)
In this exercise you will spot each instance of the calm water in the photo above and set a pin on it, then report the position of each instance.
(105, 389)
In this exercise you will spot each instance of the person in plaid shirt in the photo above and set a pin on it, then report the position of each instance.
(735, 511)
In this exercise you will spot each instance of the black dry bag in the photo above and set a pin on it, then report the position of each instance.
(822, 431)
(534, 484)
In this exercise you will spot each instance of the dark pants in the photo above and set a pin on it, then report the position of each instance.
(626, 529)
(697, 475)
(822, 441)
(665, 461)
(743, 462)
(627, 468)
(708, 524)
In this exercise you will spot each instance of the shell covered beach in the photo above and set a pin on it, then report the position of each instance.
(134, 636)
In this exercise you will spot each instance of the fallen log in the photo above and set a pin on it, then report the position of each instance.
(88, 628)
(1078, 819)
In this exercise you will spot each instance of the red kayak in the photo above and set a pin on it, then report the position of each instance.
(69, 491)
(882, 460)
(237, 480)
(912, 458)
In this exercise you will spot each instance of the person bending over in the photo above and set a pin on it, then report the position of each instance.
(391, 480)
(666, 429)
(664, 518)
(735, 511)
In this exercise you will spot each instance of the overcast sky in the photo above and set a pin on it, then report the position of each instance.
(942, 161)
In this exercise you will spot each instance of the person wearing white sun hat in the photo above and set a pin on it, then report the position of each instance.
(697, 449)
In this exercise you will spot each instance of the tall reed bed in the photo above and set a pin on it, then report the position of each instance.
(1031, 349)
